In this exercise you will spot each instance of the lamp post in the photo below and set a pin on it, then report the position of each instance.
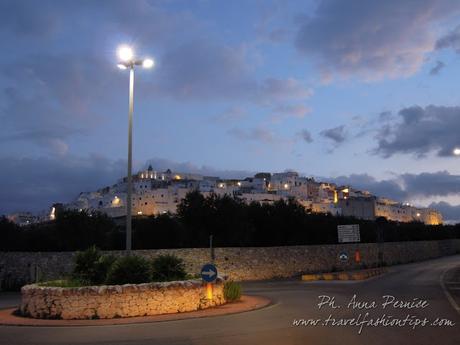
(128, 61)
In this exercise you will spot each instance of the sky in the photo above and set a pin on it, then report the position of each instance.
(354, 92)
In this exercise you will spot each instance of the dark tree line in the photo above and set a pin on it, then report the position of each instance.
(229, 220)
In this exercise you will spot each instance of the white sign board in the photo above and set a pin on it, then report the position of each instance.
(348, 233)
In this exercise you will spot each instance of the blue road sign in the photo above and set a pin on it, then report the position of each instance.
(209, 273)
(343, 256)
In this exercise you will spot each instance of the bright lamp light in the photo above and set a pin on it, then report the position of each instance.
(147, 63)
(125, 53)
(456, 151)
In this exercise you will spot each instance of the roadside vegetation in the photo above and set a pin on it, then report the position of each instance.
(229, 220)
(91, 267)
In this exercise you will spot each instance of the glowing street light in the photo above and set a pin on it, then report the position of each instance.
(128, 61)
(456, 151)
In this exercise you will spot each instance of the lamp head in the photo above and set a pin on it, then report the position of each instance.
(148, 63)
(125, 53)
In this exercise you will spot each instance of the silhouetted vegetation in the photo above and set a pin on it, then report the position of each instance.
(229, 220)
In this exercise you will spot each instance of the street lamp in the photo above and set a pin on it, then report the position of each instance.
(456, 151)
(128, 61)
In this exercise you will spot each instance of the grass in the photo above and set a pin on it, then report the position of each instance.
(65, 283)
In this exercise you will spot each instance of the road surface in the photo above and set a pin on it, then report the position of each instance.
(294, 301)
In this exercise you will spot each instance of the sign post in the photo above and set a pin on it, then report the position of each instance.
(349, 234)
(209, 276)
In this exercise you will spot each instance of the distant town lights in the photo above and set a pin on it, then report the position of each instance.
(456, 151)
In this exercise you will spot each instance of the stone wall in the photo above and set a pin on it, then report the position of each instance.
(113, 301)
(244, 263)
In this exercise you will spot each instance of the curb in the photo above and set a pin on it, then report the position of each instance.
(351, 275)
(246, 304)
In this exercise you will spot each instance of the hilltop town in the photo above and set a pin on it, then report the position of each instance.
(157, 192)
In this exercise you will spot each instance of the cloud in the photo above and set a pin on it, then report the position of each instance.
(372, 39)
(209, 70)
(52, 98)
(253, 134)
(410, 187)
(286, 111)
(388, 188)
(283, 89)
(405, 186)
(305, 135)
(35, 183)
(22, 18)
(230, 115)
(440, 183)
(449, 212)
(336, 134)
(450, 40)
(437, 68)
(420, 130)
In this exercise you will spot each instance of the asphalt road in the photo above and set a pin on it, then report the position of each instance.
(294, 300)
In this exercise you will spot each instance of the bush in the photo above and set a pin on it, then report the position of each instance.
(232, 291)
(85, 264)
(102, 267)
(129, 270)
(167, 268)
(91, 267)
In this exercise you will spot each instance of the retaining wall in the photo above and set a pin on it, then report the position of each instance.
(244, 263)
(113, 301)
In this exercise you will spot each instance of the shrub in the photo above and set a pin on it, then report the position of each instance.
(232, 291)
(91, 267)
(167, 268)
(85, 264)
(102, 267)
(129, 270)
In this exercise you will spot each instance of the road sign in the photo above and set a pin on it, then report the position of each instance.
(209, 273)
(348, 233)
(343, 256)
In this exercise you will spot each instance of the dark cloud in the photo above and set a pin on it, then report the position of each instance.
(35, 183)
(387, 188)
(450, 213)
(437, 68)
(440, 183)
(305, 135)
(420, 131)
(372, 39)
(450, 40)
(407, 187)
(336, 134)
(50, 99)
